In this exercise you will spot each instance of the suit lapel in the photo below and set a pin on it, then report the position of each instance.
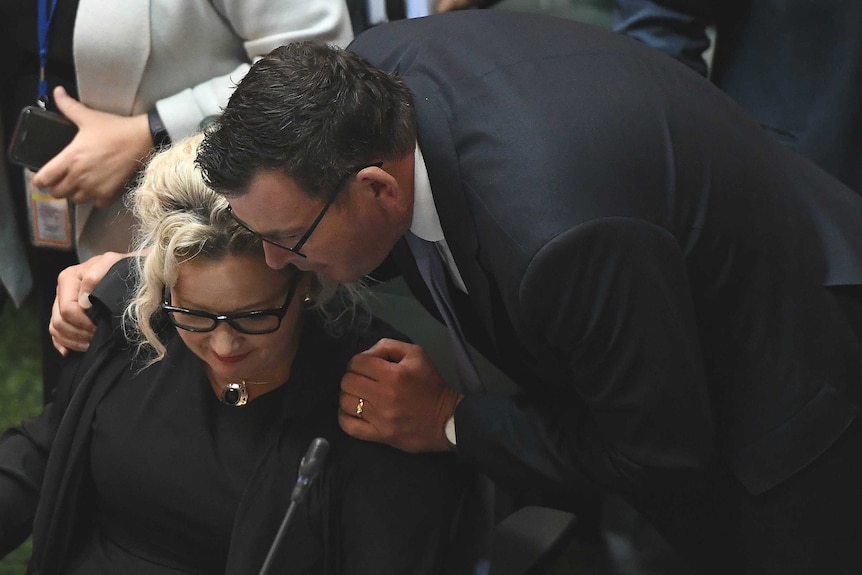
(459, 229)
(121, 29)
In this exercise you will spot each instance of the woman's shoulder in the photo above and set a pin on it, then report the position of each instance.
(356, 330)
(115, 290)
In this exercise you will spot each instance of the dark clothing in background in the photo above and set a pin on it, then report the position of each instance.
(794, 65)
(18, 88)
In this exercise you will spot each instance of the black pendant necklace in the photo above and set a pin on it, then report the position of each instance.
(235, 394)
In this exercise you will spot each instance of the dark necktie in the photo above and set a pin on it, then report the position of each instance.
(430, 266)
(477, 523)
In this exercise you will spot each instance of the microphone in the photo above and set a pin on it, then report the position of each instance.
(309, 468)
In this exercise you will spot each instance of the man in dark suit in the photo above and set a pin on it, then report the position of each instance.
(794, 65)
(675, 294)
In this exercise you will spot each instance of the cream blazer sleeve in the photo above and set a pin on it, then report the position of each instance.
(184, 58)
(262, 26)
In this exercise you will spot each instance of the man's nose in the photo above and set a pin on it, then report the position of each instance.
(278, 258)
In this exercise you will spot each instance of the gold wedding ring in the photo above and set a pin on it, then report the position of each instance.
(359, 407)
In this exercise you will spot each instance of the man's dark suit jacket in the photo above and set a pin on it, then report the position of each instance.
(794, 65)
(666, 283)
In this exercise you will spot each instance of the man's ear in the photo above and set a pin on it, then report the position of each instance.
(392, 183)
(383, 185)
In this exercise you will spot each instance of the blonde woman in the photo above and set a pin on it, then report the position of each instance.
(173, 443)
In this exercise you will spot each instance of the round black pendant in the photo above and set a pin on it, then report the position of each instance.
(234, 394)
(230, 396)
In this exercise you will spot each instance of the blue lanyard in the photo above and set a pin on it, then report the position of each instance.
(44, 23)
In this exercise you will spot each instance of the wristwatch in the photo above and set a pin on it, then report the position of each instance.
(449, 429)
(158, 132)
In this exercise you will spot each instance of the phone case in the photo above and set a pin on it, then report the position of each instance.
(39, 136)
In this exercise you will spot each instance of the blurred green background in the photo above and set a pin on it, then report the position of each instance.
(20, 388)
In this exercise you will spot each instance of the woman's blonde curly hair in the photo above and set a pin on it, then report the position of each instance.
(180, 218)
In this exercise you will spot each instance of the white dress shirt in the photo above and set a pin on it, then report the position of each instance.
(426, 221)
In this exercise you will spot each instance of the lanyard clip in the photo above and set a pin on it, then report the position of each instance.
(42, 99)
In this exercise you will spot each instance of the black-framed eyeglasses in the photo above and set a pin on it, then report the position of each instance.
(256, 322)
(304, 238)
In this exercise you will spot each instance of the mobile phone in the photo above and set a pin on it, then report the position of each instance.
(39, 136)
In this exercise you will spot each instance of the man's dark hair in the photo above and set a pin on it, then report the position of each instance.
(312, 111)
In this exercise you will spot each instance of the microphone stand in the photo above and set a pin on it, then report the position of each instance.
(309, 468)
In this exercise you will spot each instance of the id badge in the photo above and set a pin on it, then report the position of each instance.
(51, 219)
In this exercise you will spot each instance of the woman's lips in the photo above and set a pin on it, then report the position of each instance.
(231, 359)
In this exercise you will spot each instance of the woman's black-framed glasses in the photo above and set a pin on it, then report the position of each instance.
(304, 238)
(256, 322)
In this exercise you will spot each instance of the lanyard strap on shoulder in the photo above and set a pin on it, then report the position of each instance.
(44, 24)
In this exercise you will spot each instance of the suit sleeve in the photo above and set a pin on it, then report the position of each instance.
(262, 26)
(676, 28)
(626, 400)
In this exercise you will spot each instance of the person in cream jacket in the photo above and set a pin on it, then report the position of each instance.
(149, 71)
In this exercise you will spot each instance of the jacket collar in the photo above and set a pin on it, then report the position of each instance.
(450, 198)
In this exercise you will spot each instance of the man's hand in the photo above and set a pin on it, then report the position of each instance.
(405, 402)
(105, 153)
(70, 328)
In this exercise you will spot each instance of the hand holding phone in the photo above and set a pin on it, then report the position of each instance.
(101, 159)
(39, 136)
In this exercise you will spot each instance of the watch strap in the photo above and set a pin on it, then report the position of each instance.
(158, 132)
